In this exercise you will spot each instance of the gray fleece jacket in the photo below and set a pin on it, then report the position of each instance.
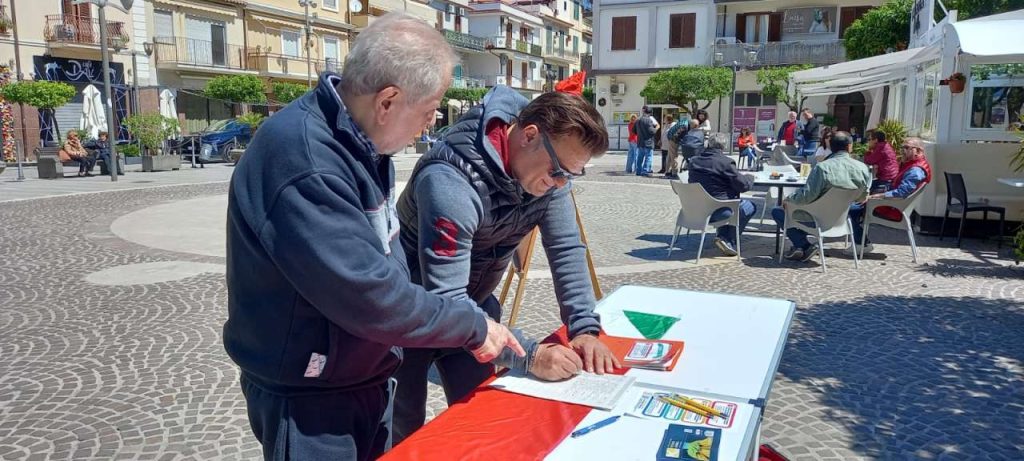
(462, 216)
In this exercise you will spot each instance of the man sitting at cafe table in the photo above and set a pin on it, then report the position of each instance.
(914, 173)
(837, 170)
(717, 173)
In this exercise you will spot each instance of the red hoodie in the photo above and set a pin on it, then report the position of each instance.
(884, 158)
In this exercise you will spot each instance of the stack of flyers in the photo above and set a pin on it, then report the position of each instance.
(651, 355)
(689, 443)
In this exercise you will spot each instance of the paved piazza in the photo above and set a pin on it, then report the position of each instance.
(111, 307)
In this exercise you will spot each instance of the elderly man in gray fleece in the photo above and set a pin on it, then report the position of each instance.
(501, 171)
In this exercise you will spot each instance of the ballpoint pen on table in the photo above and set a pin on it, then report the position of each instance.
(594, 427)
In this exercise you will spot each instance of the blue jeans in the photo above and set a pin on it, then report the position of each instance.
(797, 236)
(630, 157)
(857, 216)
(751, 156)
(728, 232)
(644, 159)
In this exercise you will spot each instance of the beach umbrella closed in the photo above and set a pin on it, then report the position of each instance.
(93, 119)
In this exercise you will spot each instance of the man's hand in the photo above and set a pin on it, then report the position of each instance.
(554, 362)
(597, 358)
(498, 338)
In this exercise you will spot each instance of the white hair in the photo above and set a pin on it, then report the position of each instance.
(718, 141)
(399, 50)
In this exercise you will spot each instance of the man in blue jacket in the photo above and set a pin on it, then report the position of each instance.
(502, 170)
(319, 297)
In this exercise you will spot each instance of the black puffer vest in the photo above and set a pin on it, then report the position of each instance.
(509, 213)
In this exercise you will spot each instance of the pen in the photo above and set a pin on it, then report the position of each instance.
(594, 427)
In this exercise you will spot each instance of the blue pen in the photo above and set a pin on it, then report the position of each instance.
(594, 427)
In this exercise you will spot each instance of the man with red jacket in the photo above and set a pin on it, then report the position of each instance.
(882, 156)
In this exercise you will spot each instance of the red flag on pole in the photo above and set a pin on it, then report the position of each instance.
(573, 84)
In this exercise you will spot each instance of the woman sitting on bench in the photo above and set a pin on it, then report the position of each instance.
(74, 151)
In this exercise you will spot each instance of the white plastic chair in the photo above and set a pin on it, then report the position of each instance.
(905, 205)
(831, 216)
(780, 157)
(696, 208)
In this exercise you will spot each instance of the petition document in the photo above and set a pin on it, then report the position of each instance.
(598, 391)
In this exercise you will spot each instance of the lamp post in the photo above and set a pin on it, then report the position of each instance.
(307, 4)
(105, 52)
(751, 58)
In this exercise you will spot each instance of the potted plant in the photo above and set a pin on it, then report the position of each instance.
(5, 25)
(895, 132)
(957, 82)
(151, 130)
(253, 120)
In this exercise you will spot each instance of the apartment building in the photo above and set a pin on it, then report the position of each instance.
(515, 53)
(635, 39)
(453, 23)
(60, 41)
(280, 48)
(363, 12)
(563, 36)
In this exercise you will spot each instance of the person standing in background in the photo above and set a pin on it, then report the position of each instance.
(646, 128)
(631, 154)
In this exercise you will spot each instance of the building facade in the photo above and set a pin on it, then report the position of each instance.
(635, 39)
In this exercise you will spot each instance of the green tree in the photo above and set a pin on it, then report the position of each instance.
(588, 94)
(967, 9)
(41, 94)
(463, 95)
(880, 29)
(687, 86)
(774, 82)
(285, 92)
(151, 129)
(245, 89)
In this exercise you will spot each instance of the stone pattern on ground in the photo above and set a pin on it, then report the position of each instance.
(892, 361)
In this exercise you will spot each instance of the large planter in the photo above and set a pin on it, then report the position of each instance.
(161, 162)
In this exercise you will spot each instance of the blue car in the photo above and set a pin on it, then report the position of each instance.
(216, 140)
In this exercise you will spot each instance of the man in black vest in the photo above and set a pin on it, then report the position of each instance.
(501, 171)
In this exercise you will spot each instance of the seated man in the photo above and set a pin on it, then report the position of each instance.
(915, 173)
(718, 175)
(102, 148)
(499, 172)
(837, 170)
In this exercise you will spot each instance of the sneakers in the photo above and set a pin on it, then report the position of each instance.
(811, 252)
(795, 254)
(725, 247)
(861, 250)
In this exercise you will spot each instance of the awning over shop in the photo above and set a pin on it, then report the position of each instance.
(990, 36)
(862, 74)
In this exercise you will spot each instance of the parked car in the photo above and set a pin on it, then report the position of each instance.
(216, 140)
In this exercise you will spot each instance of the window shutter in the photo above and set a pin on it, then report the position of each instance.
(675, 28)
(775, 27)
(689, 30)
(630, 33)
(741, 27)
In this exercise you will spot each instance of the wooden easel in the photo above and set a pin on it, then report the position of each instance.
(520, 266)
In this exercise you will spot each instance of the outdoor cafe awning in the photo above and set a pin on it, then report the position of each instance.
(861, 74)
(990, 36)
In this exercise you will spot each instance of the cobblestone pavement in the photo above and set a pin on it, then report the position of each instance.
(111, 349)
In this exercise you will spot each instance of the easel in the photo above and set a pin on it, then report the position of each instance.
(520, 266)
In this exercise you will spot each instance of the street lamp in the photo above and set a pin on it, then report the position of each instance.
(307, 4)
(105, 51)
(751, 58)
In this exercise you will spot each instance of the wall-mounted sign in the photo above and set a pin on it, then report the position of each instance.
(622, 118)
(816, 20)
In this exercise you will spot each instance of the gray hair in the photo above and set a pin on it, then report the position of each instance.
(718, 141)
(694, 123)
(399, 50)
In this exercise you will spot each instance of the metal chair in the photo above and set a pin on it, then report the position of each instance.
(696, 208)
(905, 206)
(831, 216)
(958, 191)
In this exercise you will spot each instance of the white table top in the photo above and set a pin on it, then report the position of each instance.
(1014, 182)
(732, 349)
(732, 343)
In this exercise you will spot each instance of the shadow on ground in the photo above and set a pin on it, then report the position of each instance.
(898, 374)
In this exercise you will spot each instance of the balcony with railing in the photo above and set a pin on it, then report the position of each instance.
(277, 64)
(76, 31)
(502, 42)
(200, 55)
(516, 82)
(465, 41)
(816, 53)
(561, 54)
(586, 61)
(468, 82)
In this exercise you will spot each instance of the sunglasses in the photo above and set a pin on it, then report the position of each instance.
(557, 171)
(905, 147)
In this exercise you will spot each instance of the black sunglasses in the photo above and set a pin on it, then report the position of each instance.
(557, 171)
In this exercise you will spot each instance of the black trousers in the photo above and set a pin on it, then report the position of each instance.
(460, 374)
(349, 426)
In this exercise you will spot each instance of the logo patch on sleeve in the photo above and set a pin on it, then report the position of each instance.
(445, 244)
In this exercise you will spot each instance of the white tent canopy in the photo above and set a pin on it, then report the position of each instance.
(862, 74)
(93, 119)
(989, 36)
